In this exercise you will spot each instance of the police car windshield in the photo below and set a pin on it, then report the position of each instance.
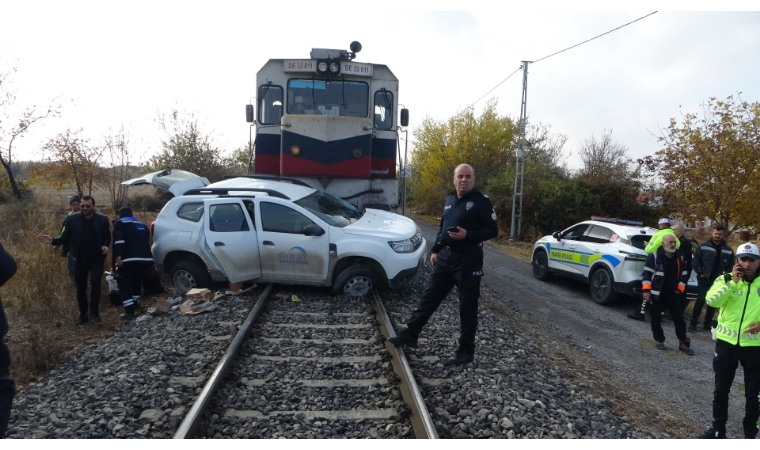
(333, 210)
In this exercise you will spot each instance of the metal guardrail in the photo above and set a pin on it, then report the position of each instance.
(192, 420)
(422, 422)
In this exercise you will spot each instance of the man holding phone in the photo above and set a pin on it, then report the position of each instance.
(457, 258)
(737, 294)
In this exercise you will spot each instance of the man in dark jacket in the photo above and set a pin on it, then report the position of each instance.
(686, 251)
(88, 234)
(7, 385)
(712, 258)
(663, 281)
(132, 256)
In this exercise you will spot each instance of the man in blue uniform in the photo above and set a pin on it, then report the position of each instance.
(457, 257)
(132, 256)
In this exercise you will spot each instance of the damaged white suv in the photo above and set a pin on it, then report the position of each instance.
(277, 230)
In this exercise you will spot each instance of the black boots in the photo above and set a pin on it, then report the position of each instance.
(405, 337)
(460, 358)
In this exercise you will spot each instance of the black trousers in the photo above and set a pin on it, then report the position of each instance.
(667, 301)
(460, 269)
(93, 269)
(726, 360)
(704, 285)
(129, 278)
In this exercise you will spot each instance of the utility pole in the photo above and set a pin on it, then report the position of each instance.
(515, 231)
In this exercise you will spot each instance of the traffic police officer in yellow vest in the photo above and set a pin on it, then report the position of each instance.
(737, 294)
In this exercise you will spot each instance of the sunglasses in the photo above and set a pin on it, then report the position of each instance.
(747, 259)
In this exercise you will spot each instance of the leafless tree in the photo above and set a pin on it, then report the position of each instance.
(604, 159)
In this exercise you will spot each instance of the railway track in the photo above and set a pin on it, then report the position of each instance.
(319, 364)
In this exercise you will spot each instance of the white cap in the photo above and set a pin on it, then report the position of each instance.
(748, 250)
(663, 220)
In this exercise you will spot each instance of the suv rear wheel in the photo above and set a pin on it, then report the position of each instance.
(355, 281)
(602, 287)
(187, 274)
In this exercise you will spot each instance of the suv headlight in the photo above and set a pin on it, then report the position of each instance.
(405, 246)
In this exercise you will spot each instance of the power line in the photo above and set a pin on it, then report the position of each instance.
(502, 81)
(589, 40)
(557, 53)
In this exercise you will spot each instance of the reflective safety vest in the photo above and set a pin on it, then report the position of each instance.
(656, 240)
(739, 305)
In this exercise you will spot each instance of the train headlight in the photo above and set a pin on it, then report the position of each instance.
(328, 67)
(295, 150)
(357, 152)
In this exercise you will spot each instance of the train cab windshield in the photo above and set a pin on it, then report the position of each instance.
(328, 98)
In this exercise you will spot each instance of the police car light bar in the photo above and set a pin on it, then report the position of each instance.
(618, 221)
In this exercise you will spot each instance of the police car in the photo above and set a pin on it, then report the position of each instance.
(277, 230)
(608, 254)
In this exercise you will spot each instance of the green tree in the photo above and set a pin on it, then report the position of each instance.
(186, 147)
(711, 164)
(485, 142)
(239, 162)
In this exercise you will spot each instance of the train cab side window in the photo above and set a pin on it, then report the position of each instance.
(270, 104)
(383, 110)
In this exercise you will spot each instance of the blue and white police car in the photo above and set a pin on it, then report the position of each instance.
(608, 254)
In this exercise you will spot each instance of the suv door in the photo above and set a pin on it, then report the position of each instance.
(564, 255)
(286, 252)
(231, 236)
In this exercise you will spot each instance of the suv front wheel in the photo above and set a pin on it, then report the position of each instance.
(187, 274)
(355, 281)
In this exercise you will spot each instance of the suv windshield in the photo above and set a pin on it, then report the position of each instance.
(333, 210)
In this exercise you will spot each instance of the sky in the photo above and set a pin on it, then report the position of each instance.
(111, 64)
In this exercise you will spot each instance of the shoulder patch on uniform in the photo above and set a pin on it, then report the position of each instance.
(493, 216)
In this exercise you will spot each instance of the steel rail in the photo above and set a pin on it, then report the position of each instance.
(422, 422)
(192, 420)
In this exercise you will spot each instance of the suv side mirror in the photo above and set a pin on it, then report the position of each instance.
(313, 230)
(556, 235)
(404, 117)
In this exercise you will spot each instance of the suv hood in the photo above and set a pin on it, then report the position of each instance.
(382, 224)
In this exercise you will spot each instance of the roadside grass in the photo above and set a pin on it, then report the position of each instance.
(39, 300)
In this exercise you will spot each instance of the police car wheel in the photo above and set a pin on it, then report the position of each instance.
(541, 266)
(187, 275)
(602, 287)
(355, 281)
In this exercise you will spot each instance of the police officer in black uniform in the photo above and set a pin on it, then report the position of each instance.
(457, 258)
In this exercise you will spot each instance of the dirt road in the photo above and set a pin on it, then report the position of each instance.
(666, 392)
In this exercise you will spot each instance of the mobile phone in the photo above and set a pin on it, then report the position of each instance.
(452, 229)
